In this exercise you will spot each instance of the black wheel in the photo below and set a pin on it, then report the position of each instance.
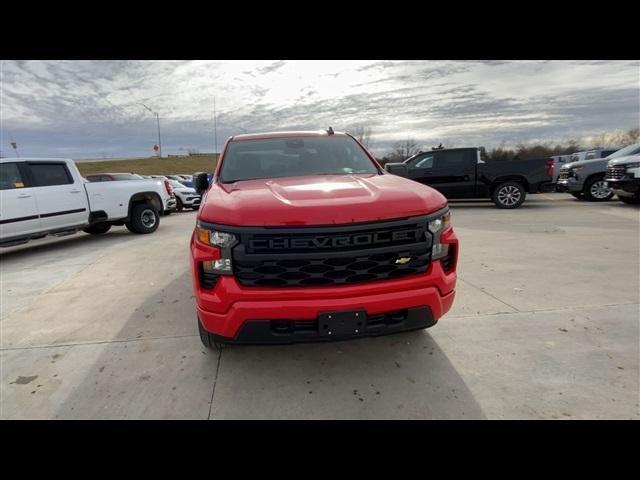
(179, 205)
(144, 219)
(595, 190)
(630, 200)
(97, 228)
(167, 212)
(209, 340)
(577, 195)
(509, 195)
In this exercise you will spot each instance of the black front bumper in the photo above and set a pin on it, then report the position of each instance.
(279, 332)
(627, 188)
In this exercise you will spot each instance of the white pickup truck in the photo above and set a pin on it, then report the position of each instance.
(45, 196)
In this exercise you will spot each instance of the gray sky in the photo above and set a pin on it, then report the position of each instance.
(88, 109)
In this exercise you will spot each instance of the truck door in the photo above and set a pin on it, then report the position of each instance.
(419, 167)
(454, 172)
(61, 199)
(18, 208)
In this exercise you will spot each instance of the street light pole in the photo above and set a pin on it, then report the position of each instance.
(158, 121)
(159, 140)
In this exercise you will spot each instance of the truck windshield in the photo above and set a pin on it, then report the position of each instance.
(294, 157)
(623, 152)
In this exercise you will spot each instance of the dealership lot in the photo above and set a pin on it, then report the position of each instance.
(545, 325)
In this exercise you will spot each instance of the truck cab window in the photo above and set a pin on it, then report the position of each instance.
(49, 174)
(421, 161)
(453, 159)
(10, 177)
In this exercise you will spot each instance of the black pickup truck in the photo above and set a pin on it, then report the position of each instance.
(461, 173)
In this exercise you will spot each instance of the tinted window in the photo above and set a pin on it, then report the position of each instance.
(94, 178)
(10, 177)
(48, 174)
(293, 157)
(454, 158)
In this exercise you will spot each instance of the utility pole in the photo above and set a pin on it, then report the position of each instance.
(158, 120)
(215, 127)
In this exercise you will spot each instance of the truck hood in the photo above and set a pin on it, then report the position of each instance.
(318, 200)
(624, 160)
(583, 163)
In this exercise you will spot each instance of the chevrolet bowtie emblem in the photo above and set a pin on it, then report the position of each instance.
(403, 260)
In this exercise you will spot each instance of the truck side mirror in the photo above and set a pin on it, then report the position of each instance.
(399, 169)
(200, 182)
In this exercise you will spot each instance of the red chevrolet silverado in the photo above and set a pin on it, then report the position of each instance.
(302, 236)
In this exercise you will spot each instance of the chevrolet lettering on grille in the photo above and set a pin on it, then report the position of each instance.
(319, 242)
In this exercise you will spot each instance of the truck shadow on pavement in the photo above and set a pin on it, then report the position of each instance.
(403, 376)
(154, 366)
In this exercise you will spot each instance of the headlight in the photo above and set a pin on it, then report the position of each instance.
(632, 167)
(436, 227)
(439, 224)
(215, 238)
(222, 240)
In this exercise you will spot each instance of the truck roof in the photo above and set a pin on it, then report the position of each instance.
(295, 133)
(34, 159)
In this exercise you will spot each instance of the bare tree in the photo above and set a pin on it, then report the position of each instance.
(404, 149)
(362, 134)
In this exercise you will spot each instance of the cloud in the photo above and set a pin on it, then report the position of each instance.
(86, 109)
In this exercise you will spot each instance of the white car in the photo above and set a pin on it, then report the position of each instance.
(186, 197)
(47, 196)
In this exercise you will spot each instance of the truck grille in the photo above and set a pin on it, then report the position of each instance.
(615, 172)
(564, 174)
(303, 256)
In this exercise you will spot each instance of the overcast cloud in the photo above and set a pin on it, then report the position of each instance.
(90, 109)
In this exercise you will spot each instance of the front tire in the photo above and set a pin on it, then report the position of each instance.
(209, 340)
(509, 195)
(630, 200)
(595, 190)
(144, 219)
(97, 228)
(179, 205)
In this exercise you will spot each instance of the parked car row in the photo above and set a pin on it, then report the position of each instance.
(178, 186)
(593, 180)
(461, 173)
(40, 197)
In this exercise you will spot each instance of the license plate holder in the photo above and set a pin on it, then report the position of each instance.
(341, 323)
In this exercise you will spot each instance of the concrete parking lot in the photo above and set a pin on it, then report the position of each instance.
(545, 326)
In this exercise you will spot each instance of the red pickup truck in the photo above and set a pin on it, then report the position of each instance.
(302, 236)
